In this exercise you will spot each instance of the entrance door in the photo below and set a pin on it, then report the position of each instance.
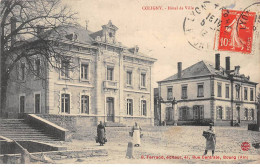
(110, 108)
(37, 103)
(22, 104)
(169, 114)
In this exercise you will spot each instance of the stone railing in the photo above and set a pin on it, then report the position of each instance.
(49, 127)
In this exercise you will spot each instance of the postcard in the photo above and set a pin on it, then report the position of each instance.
(129, 82)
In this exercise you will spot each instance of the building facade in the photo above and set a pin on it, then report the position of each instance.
(206, 93)
(108, 82)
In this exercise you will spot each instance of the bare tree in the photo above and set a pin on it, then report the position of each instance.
(32, 29)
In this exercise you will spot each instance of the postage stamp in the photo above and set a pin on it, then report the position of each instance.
(236, 31)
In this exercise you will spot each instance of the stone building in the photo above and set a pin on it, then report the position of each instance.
(109, 82)
(208, 93)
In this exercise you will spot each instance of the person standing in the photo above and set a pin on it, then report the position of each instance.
(136, 130)
(210, 139)
(101, 134)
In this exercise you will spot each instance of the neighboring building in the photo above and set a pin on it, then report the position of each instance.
(207, 93)
(109, 82)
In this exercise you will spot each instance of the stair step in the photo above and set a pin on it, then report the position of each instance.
(18, 129)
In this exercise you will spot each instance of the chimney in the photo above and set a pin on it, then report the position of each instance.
(86, 21)
(237, 68)
(228, 63)
(40, 29)
(13, 28)
(217, 61)
(136, 48)
(179, 69)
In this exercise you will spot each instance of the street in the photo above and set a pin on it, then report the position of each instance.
(170, 144)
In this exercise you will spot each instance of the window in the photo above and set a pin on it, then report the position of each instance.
(143, 108)
(184, 92)
(169, 93)
(238, 92)
(84, 104)
(110, 71)
(227, 91)
(219, 90)
(219, 112)
(65, 103)
(37, 103)
(251, 94)
(183, 113)
(200, 91)
(129, 77)
(65, 69)
(21, 71)
(198, 112)
(143, 79)
(84, 71)
(37, 67)
(246, 114)
(228, 113)
(22, 104)
(245, 93)
(129, 107)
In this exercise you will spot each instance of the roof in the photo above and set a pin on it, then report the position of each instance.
(95, 34)
(202, 68)
(82, 34)
(67, 32)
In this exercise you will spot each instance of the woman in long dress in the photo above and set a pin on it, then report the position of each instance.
(101, 134)
(210, 140)
(136, 130)
(235, 40)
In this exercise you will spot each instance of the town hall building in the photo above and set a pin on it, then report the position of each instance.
(109, 82)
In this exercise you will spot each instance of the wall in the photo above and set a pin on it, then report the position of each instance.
(27, 87)
(192, 86)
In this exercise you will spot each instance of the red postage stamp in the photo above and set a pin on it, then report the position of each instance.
(236, 31)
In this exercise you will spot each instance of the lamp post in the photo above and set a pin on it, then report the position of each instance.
(175, 112)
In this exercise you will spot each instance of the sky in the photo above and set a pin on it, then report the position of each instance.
(160, 34)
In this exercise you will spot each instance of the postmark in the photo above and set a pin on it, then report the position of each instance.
(245, 146)
(236, 31)
(200, 26)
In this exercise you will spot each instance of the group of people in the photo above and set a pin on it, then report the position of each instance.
(136, 130)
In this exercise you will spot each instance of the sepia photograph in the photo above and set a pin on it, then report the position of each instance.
(129, 82)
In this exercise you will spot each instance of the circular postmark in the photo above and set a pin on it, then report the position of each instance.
(200, 26)
(245, 146)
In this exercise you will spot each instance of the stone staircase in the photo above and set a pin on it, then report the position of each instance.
(18, 129)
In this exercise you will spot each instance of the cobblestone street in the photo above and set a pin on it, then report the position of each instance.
(160, 142)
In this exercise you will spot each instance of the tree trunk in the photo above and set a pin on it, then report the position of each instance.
(4, 84)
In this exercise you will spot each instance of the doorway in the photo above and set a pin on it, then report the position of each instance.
(22, 104)
(110, 109)
(37, 103)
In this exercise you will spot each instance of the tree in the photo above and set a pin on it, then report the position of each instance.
(30, 29)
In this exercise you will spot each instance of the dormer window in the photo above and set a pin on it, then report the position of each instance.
(110, 35)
